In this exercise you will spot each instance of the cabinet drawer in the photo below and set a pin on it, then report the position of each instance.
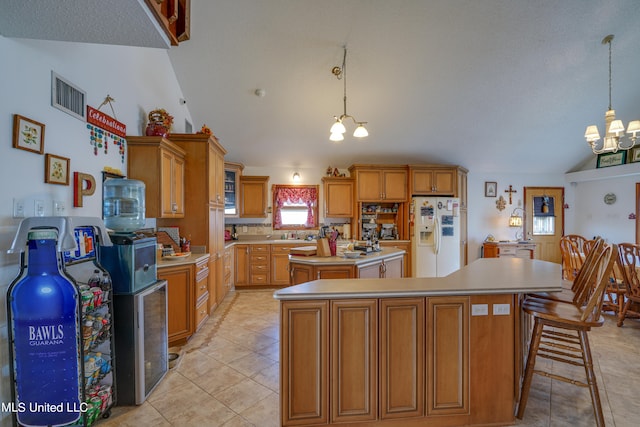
(281, 249)
(507, 251)
(259, 248)
(201, 288)
(259, 268)
(201, 312)
(259, 279)
(259, 259)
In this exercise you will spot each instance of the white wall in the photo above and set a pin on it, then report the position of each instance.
(138, 79)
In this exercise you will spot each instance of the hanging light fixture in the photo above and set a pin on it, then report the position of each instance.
(338, 129)
(614, 129)
(516, 221)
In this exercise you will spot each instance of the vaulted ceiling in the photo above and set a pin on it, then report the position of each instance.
(492, 85)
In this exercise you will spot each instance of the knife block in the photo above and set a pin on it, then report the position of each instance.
(323, 247)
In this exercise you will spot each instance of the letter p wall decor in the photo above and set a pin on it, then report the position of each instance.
(83, 185)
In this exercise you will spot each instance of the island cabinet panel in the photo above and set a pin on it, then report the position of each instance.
(370, 271)
(301, 273)
(304, 362)
(354, 360)
(447, 355)
(401, 353)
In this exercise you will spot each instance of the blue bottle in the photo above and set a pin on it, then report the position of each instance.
(44, 335)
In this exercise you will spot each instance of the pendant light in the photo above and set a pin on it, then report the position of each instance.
(614, 139)
(338, 129)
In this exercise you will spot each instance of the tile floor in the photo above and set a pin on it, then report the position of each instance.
(228, 376)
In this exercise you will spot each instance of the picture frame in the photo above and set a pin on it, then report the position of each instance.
(28, 134)
(606, 160)
(56, 169)
(634, 155)
(490, 189)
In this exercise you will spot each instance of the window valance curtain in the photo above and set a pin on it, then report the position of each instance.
(295, 195)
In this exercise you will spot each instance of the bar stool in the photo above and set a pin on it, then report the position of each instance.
(560, 333)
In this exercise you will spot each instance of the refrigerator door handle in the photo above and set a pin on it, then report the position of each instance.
(436, 230)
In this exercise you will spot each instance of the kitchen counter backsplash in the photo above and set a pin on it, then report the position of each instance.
(266, 232)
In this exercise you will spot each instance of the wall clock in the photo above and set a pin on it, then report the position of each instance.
(609, 198)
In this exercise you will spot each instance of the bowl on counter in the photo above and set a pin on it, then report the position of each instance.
(352, 254)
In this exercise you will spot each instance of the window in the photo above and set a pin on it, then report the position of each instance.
(544, 219)
(295, 207)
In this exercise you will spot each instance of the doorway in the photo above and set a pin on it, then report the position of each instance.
(544, 220)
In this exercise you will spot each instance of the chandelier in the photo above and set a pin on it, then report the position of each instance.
(338, 129)
(614, 129)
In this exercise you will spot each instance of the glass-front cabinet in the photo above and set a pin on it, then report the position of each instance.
(232, 172)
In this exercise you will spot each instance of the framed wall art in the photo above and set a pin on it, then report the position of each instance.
(56, 169)
(28, 134)
(611, 159)
(634, 155)
(490, 189)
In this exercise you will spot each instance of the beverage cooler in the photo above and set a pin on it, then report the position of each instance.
(60, 311)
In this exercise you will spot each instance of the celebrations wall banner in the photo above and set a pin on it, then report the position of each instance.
(103, 127)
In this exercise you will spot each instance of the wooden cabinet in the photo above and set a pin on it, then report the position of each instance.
(354, 360)
(429, 180)
(508, 250)
(232, 173)
(187, 293)
(242, 265)
(228, 265)
(203, 223)
(280, 274)
(305, 362)
(180, 302)
(259, 260)
(338, 197)
(448, 355)
(380, 183)
(402, 383)
(301, 273)
(160, 164)
(253, 196)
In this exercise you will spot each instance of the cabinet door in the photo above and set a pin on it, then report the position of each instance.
(334, 272)
(180, 301)
(369, 185)
(167, 178)
(354, 362)
(395, 185)
(305, 362)
(401, 358)
(444, 181)
(253, 196)
(301, 274)
(393, 268)
(338, 198)
(370, 271)
(422, 181)
(447, 355)
(242, 265)
(178, 186)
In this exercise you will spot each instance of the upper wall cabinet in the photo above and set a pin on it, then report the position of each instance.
(253, 196)
(434, 180)
(381, 183)
(232, 173)
(338, 197)
(159, 163)
(174, 18)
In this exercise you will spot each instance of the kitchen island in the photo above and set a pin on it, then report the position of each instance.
(386, 263)
(410, 351)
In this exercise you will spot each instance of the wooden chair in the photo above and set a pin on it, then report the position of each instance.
(578, 240)
(560, 332)
(572, 257)
(568, 292)
(629, 264)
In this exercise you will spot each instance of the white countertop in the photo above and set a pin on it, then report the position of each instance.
(482, 277)
(384, 253)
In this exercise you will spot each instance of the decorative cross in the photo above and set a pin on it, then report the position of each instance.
(510, 191)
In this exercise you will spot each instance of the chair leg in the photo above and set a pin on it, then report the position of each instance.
(536, 337)
(591, 378)
(623, 312)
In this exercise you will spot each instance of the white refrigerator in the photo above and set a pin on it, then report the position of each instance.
(435, 240)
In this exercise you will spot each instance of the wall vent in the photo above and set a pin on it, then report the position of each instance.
(67, 97)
